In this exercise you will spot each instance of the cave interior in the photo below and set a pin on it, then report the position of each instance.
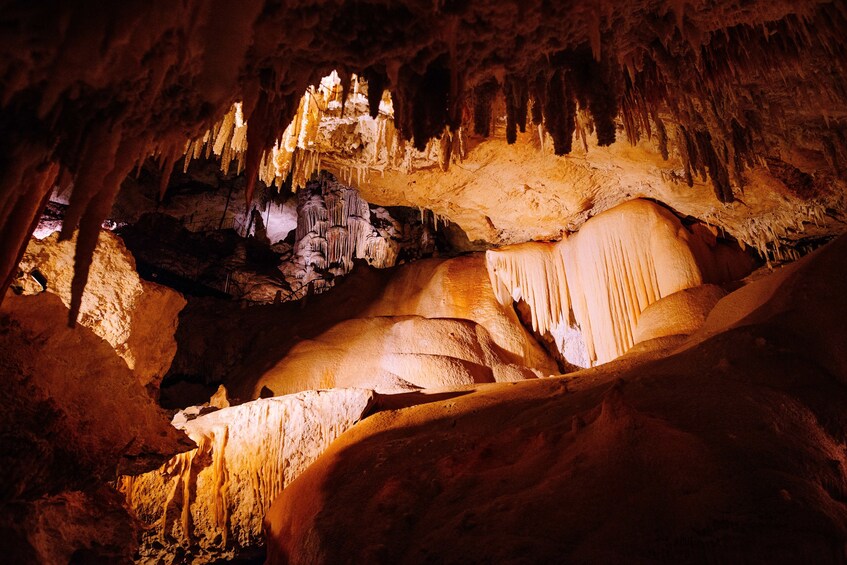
(448, 281)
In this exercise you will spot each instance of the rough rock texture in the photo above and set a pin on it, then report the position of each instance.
(599, 280)
(208, 503)
(509, 194)
(680, 313)
(136, 317)
(74, 416)
(217, 262)
(730, 450)
(395, 354)
(201, 242)
(69, 527)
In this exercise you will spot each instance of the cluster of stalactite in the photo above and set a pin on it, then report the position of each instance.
(723, 125)
(571, 81)
(90, 92)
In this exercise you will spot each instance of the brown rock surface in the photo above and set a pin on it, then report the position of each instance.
(137, 318)
(74, 416)
(208, 503)
(728, 451)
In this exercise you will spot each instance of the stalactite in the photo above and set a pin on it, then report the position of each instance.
(97, 158)
(333, 227)
(736, 83)
(91, 221)
(603, 105)
(516, 96)
(539, 89)
(715, 165)
(511, 112)
(22, 213)
(559, 113)
(431, 104)
(662, 137)
(376, 86)
(483, 99)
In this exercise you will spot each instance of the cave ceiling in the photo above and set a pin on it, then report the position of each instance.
(88, 92)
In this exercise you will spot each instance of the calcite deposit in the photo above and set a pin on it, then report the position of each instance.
(447, 205)
(335, 226)
(602, 278)
(176, 78)
(393, 354)
(680, 313)
(209, 502)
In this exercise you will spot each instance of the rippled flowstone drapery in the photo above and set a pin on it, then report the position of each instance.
(601, 278)
(208, 503)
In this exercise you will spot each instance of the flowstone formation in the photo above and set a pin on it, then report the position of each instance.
(729, 450)
(599, 280)
(207, 504)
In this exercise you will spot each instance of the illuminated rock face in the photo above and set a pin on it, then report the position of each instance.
(394, 354)
(460, 289)
(728, 451)
(662, 71)
(600, 279)
(435, 324)
(680, 313)
(136, 317)
(210, 501)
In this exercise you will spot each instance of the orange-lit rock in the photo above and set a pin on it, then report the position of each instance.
(729, 450)
(210, 501)
(435, 324)
(393, 354)
(138, 318)
(680, 313)
(600, 279)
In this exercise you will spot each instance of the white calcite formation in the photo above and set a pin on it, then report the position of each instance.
(210, 501)
(334, 226)
(137, 318)
(599, 280)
